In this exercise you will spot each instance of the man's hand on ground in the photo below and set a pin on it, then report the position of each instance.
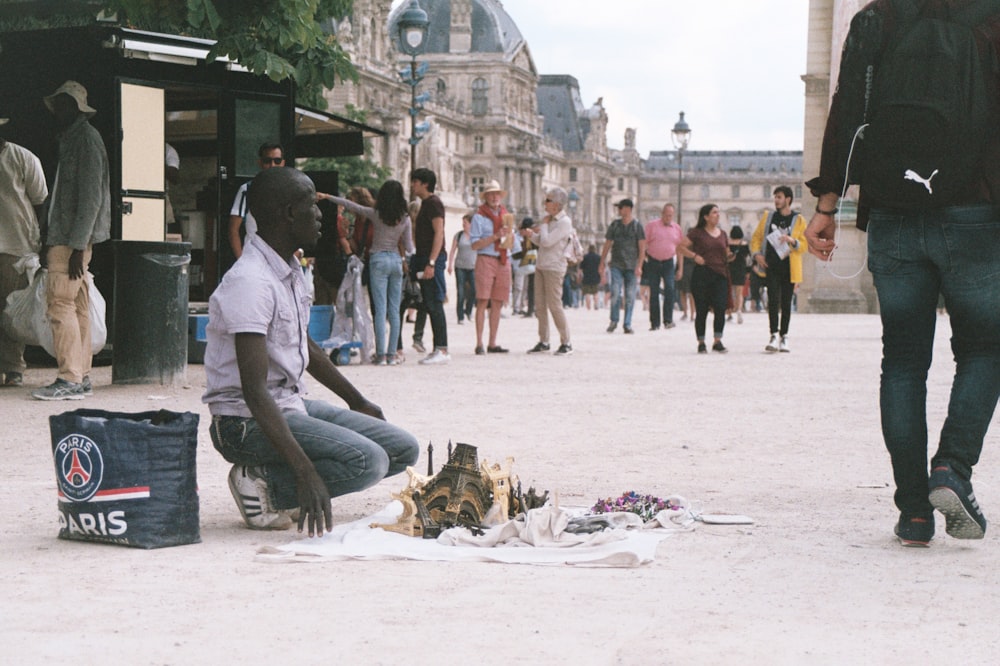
(315, 511)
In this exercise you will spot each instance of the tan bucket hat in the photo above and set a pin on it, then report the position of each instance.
(77, 92)
(492, 186)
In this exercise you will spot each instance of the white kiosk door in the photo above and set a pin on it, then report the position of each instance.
(142, 188)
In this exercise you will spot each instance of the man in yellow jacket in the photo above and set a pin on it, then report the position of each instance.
(777, 245)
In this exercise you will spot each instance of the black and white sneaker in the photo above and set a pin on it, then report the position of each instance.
(249, 489)
(564, 350)
(540, 347)
(952, 495)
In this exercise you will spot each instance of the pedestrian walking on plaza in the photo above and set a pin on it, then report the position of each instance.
(738, 270)
(22, 193)
(590, 269)
(552, 237)
(778, 244)
(430, 261)
(662, 238)
(462, 260)
(931, 207)
(708, 245)
(625, 241)
(494, 240)
(391, 240)
(522, 296)
(79, 218)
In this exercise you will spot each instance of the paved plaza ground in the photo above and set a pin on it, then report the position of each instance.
(791, 440)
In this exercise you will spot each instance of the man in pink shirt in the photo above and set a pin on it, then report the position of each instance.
(662, 237)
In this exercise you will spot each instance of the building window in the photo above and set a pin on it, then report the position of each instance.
(734, 219)
(654, 190)
(704, 192)
(477, 184)
(767, 192)
(477, 144)
(798, 192)
(441, 89)
(479, 97)
(572, 174)
(736, 191)
(621, 184)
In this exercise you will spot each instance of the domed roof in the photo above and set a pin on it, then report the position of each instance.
(493, 30)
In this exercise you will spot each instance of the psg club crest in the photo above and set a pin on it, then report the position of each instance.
(79, 467)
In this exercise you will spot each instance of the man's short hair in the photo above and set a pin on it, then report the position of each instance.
(265, 148)
(272, 190)
(784, 189)
(625, 202)
(425, 176)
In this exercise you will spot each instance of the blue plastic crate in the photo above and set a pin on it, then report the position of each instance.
(320, 322)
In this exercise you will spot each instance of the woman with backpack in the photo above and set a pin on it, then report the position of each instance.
(391, 240)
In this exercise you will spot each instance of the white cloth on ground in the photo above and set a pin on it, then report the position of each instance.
(539, 539)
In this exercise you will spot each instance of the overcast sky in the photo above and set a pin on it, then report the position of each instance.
(733, 66)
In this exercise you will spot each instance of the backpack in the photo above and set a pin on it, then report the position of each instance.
(574, 250)
(933, 101)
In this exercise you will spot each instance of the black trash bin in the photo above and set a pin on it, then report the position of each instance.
(150, 312)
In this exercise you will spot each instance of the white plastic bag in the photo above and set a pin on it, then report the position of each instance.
(25, 317)
(352, 319)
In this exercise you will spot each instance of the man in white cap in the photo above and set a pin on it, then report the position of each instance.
(493, 239)
(22, 192)
(79, 217)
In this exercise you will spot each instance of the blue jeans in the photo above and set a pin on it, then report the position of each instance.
(620, 278)
(351, 451)
(913, 257)
(660, 272)
(465, 288)
(386, 284)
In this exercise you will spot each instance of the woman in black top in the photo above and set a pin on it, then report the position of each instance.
(740, 250)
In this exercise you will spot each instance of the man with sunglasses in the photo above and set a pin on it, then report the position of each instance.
(268, 155)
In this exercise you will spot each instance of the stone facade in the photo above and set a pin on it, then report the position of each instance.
(846, 284)
(493, 116)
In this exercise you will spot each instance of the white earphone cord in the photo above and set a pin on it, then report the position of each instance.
(839, 221)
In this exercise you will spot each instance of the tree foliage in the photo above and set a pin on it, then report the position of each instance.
(279, 39)
(360, 171)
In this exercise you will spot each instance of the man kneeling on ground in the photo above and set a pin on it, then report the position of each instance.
(289, 453)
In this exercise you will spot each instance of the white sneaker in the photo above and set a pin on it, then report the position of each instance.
(772, 346)
(249, 489)
(783, 345)
(436, 357)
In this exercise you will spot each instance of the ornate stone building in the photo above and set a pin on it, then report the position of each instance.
(493, 116)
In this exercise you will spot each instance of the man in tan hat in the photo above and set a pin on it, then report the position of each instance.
(493, 239)
(22, 193)
(79, 217)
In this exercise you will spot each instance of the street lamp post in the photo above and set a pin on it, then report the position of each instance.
(573, 200)
(413, 25)
(680, 135)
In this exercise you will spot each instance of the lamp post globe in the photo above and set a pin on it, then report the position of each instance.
(680, 135)
(412, 25)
